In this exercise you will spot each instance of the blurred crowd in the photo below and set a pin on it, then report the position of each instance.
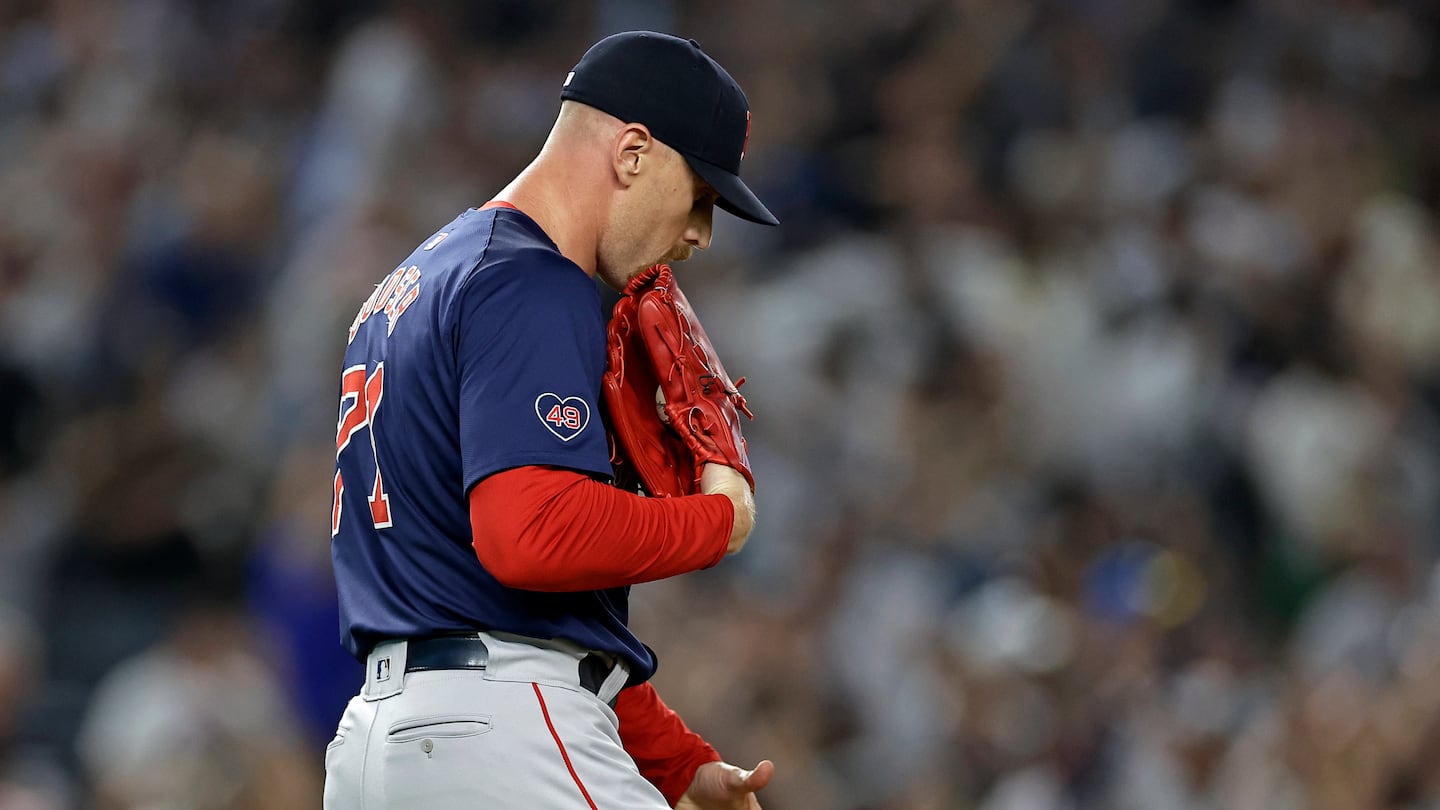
(1096, 366)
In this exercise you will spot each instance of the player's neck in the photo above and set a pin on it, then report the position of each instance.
(558, 202)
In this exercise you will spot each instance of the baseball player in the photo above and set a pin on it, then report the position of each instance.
(482, 556)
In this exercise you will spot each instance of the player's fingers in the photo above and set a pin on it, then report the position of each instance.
(732, 778)
(759, 776)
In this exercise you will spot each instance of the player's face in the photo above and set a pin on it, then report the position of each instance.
(670, 218)
(692, 210)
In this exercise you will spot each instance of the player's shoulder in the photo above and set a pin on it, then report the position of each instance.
(512, 270)
(520, 256)
(460, 244)
(489, 242)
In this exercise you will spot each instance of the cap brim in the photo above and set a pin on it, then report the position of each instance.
(735, 196)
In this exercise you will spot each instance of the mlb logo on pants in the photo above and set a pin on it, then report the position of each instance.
(382, 669)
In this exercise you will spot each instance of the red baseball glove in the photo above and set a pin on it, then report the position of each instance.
(672, 408)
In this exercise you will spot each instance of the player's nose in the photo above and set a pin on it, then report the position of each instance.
(697, 234)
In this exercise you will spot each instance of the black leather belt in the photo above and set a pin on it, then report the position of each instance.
(446, 652)
(469, 652)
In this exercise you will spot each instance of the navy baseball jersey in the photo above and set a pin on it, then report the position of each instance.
(481, 352)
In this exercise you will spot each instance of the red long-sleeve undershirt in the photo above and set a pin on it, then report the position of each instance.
(545, 529)
(666, 751)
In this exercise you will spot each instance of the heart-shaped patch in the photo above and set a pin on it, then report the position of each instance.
(565, 417)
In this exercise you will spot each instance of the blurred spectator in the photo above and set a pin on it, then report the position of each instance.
(290, 591)
(29, 778)
(196, 721)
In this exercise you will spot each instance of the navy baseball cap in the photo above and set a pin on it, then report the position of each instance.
(686, 99)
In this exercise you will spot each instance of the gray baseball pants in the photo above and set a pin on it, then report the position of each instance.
(521, 734)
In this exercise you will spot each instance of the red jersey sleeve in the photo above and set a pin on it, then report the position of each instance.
(663, 747)
(547, 529)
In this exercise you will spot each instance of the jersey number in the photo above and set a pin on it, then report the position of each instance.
(359, 399)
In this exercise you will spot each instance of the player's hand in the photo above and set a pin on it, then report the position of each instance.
(722, 786)
(717, 479)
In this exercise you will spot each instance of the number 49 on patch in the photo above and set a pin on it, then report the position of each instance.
(565, 417)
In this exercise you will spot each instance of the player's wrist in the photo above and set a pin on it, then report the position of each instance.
(717, 479)
(744, 521)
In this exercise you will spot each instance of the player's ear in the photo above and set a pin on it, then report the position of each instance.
(632, 148)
